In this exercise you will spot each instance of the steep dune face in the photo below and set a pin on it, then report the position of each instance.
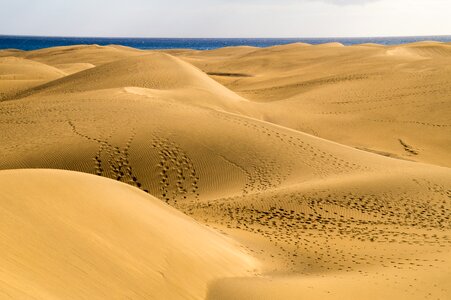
(249, 148)
(71, 235)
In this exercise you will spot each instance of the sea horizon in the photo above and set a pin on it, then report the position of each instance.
(35, 42)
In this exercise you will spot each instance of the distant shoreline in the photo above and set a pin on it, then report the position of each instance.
(41, 42)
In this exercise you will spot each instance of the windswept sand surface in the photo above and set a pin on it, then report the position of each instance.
(68, 235)
(295, 171)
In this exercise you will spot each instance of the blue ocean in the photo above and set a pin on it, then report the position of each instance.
(39, 42)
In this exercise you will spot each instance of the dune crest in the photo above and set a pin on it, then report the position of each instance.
(321, 172)
(19, 74)
(71, 235)
(155, 71)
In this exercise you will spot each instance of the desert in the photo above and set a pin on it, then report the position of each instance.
(294, 171)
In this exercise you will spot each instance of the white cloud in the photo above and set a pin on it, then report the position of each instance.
(225, 18)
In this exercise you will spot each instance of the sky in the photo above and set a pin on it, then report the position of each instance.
(225, 18)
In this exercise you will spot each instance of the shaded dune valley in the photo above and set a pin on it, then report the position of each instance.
(288, 172)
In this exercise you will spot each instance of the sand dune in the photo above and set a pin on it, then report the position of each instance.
(18, 74)
(10, 52)
(154, 72)
(392, 93)
(326, 166)
(70, 235)
(93, 54)
(72, 68)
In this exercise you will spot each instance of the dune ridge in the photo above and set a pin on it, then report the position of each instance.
(19, 74)
(322, 171)
(71, 235)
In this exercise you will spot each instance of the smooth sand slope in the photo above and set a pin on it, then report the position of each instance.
(18, 74)
(328, 164)
(68, 235)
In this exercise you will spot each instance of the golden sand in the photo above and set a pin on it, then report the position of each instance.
(295, 171)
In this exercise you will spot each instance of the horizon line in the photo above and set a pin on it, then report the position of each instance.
(225, 38)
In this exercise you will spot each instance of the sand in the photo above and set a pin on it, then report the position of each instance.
(69, 235)
(288, 172)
